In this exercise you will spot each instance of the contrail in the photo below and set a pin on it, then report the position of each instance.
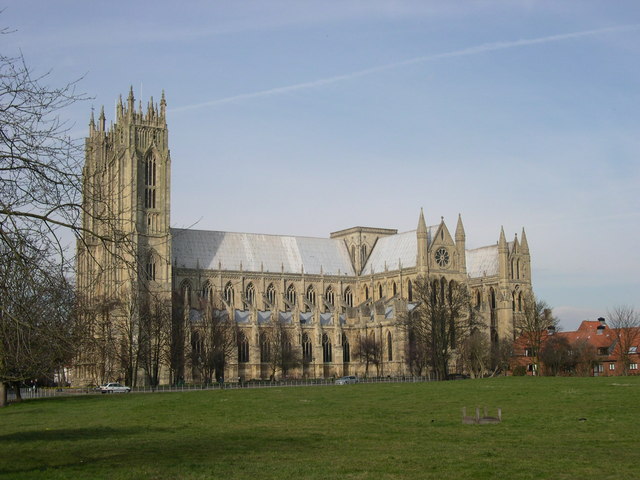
(486, 47)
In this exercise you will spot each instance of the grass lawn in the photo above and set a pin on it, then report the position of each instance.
(378, 431)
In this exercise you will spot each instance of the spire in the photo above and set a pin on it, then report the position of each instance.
(460, 235)
(524, 246)
(502, 243)
(422, 225)
(92, 123)
(101, 119)
(119, 107)
(130, 100)
(163, 105)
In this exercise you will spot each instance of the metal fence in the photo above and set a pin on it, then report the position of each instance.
(30, 393)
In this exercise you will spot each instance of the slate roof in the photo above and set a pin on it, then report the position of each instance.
(252, 252)
(482, 261)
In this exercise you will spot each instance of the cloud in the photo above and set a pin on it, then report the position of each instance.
(475, 50)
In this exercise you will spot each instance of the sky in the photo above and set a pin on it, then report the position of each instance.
(307, 117)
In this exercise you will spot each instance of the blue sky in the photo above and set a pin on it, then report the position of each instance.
(304, 118)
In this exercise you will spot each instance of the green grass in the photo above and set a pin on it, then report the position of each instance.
(378, 431)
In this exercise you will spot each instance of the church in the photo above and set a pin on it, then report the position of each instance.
(326, 294)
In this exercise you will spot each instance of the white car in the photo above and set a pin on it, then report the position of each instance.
(346, 380)
(114, 388)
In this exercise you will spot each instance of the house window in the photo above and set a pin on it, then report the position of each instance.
(346, 354)
(633, 350)
(311, 295)
(243, 348)
(291, 295)
(271, 294)
(250, 294)
(228, 293)
(326, 349)
(348, 297)
(612, 366)
(603, 351)
(633, 366)
(307, 349)
(330, 296)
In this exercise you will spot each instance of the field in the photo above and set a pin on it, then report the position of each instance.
(556, 428)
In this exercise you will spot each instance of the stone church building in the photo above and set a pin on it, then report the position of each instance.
(327, 292)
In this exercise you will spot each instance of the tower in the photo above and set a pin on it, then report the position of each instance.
(123, 262)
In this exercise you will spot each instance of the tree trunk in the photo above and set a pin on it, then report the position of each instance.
(16, 385)
(3, 394)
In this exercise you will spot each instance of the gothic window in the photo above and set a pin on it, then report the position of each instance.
(492, 299)
(452, 289)
(512, 261)
(363, 254)
(518, 269)
(307, 349)
(151, 268)
(366, 292)
(389, 347)
(326, 349)
(353, 253)
(185, 289)
(395, 289)
(271, 294)
(264, 348)
(329, 295)
(291, 295)
(409, 291)
(311, 295)
(228, 294)
(150, 182)
(513, 301)
(443, 284)
(520, 301)
(346, 354)
(434, 292)
(243, 348)
(380, 290)
(207, 292)
(348, 297)
(478, 299)
(250, 294)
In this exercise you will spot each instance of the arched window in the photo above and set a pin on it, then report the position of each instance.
(307, 349)
(243, 348)
(380, 291)
(478, 299)
(346, 353)
(512, 262)
(363, 254)
(150, 182)
(389, 347)
(366, 292)
(434, 292)
(395, 289)
(326, 349)
(271, 294)
(513, 301)
(311, 295)
(520, 301)
(264, 348)
(185, 289)
(492, 299)
(409, 291)
(518, 269)
(291, 295)
(207, 292)
(250, 294)
(452, 290)
(443, 286)
(329, 296)
(151, 268)
(228, 294)
(348, 297)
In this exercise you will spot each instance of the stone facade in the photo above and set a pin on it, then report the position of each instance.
(328, 292)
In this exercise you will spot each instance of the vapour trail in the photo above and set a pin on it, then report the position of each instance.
(486, 47)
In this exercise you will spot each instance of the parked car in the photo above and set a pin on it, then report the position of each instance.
(346, 380)
(114, 388)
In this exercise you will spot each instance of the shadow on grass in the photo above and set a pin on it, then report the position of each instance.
(68, 434)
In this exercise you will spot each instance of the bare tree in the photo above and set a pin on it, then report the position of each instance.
(441, 321)
(532, 325)
(369, 351)
(213, 342)
(475, 351)
(584, 357)
(277, 349)
(154, 337)
(625, 323)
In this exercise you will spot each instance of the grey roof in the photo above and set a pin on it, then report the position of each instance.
(264, 316)
(242, 316)
(482, 261)
(326, 318)
(391, 251)
(254, 252)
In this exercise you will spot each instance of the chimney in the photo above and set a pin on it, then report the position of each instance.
(600, 329)
(602, 321)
